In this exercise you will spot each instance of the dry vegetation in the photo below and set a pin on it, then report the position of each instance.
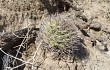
(54, 35)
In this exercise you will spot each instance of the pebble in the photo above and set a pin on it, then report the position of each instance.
(95, 26)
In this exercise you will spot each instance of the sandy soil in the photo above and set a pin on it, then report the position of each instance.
(19, 14)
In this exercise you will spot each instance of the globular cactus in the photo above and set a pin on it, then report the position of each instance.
(56, 36)
(62, 37)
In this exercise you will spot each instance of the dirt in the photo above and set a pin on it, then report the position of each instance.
(90, 20)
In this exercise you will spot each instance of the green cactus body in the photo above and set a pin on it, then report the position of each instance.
(56, 36)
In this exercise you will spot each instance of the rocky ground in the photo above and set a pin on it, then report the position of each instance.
(89, 20)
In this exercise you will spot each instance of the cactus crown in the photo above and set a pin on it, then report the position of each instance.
(56, 36)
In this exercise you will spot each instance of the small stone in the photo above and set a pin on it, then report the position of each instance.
(95, 25)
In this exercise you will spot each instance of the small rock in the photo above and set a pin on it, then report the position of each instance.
(81, 16)
(96, 26)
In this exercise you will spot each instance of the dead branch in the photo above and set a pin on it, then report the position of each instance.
(12, 39)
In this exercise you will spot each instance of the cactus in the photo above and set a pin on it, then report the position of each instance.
(62, 39)
(55, 35)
